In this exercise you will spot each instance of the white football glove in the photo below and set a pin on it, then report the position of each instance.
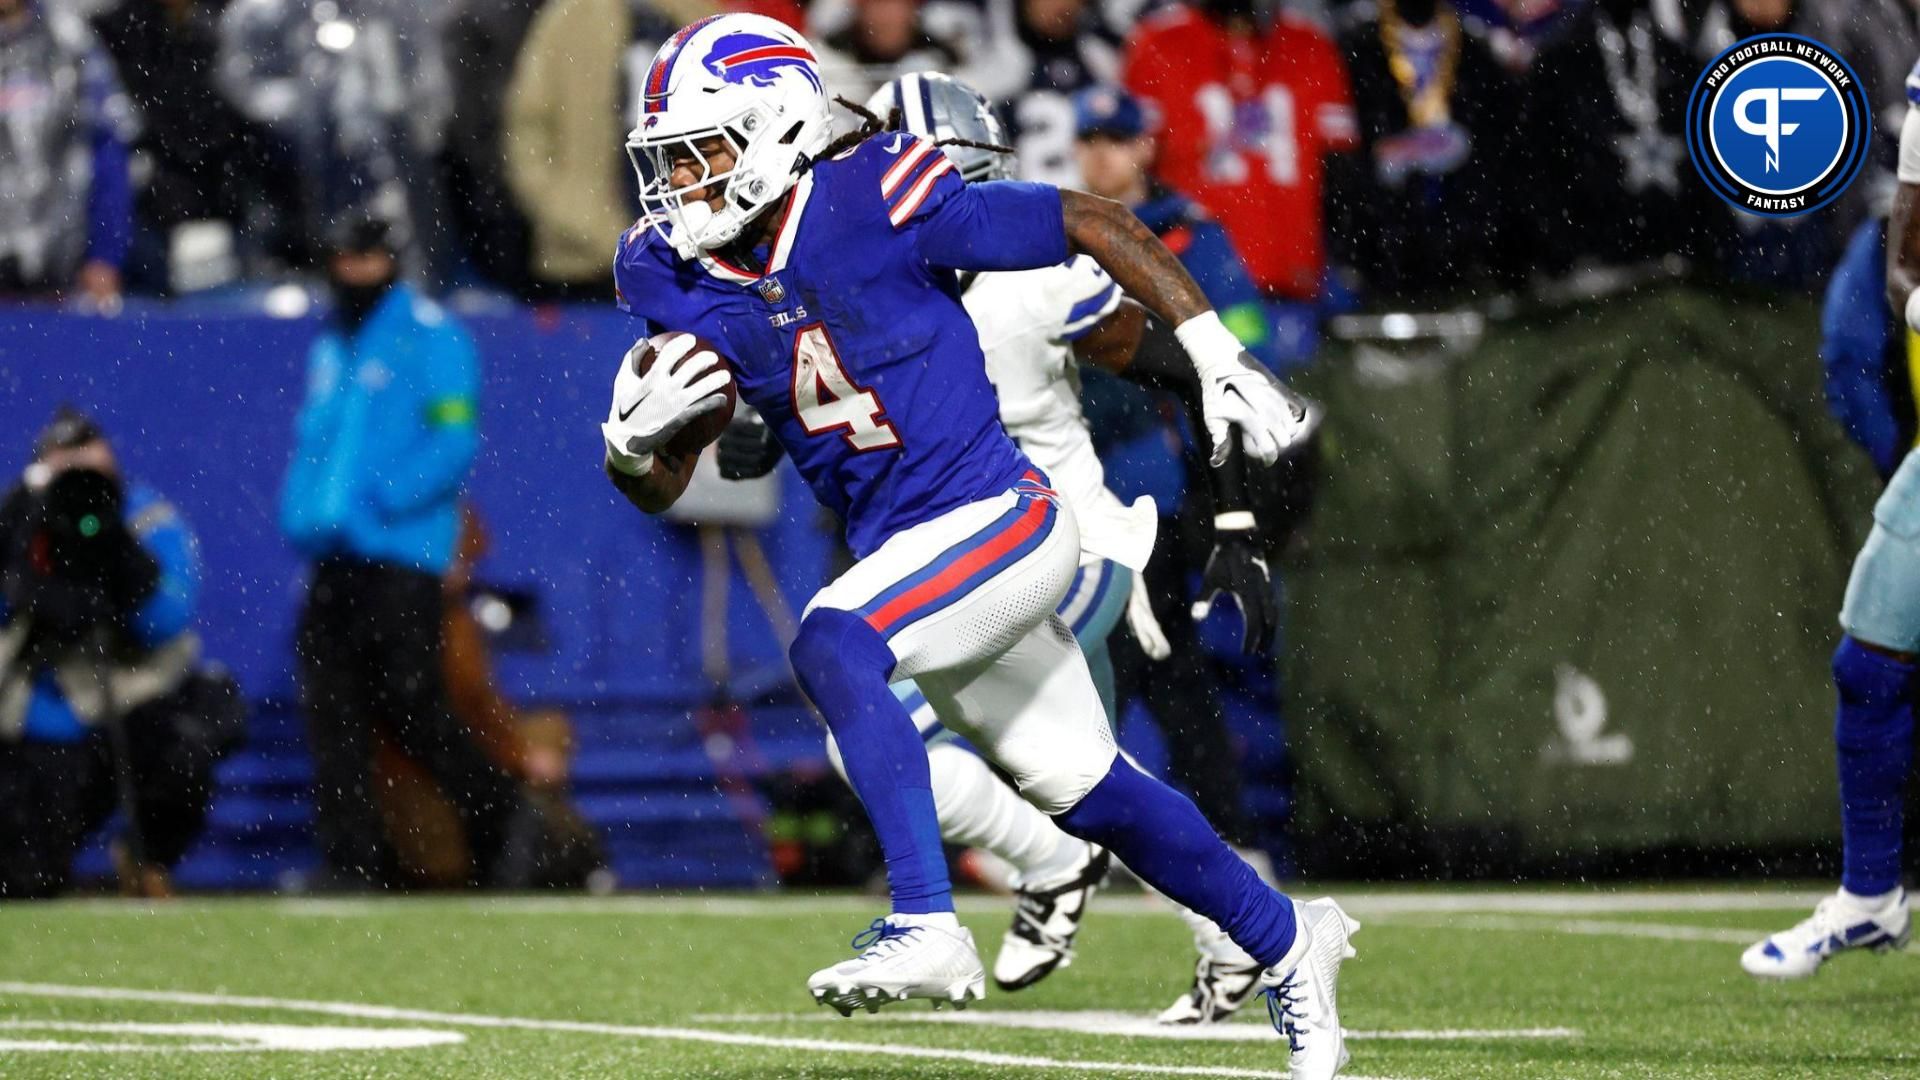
(648, 410)
(1236, 392)
(1140, 620)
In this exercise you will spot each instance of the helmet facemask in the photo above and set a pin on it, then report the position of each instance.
(687, 222)
(734, 85)
(767, 159)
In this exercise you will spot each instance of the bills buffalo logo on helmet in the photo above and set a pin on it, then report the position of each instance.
(756, 60)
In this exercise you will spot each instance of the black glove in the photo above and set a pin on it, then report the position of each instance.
(747, 449)
(1238, 569)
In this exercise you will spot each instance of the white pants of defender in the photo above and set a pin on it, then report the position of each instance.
(997, 663)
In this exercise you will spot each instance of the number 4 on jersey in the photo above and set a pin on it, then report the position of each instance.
(826, 399)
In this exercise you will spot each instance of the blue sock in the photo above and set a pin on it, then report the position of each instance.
(843, 665)
(1162, 837)
(1873, 733)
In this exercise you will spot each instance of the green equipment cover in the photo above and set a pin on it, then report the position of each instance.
(1569, 596)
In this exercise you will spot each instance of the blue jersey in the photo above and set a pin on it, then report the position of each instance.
(1864, 349)
(853, 344)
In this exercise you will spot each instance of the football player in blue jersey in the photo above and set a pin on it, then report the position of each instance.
(827, 272)
(1876, 671)
(1037, 328)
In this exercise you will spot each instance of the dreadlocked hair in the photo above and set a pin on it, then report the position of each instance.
(956, 140)
(872, 124)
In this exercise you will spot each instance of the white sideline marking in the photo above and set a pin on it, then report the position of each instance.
(1133, 1025)
(1356, 903)
(232, 1038)
(1360, 903)
(1467, 1034)
(1610, 928)
(1575, 903)
(723, 906)
(1606, 928)
(700, 1035)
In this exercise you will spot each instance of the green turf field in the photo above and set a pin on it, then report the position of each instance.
(1448, 984)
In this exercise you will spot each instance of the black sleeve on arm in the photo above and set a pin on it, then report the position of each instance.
(1161, 363)
(1232, 490)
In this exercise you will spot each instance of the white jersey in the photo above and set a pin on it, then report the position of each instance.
(1028, 321)
(1909, 167)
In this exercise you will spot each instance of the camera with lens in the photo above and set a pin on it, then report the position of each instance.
(68, 562)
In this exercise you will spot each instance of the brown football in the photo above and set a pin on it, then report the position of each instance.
(704, 429)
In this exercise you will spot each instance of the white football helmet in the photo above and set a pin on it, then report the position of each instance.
(748, 80)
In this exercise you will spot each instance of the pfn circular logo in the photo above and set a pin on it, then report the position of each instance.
(1778, 125)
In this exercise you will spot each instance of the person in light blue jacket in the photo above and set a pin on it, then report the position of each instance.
(384, 443)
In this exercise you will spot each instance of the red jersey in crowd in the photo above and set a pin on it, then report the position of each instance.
(1244, 122)
(787, 11)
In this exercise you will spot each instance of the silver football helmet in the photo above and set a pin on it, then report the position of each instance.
(938, 106)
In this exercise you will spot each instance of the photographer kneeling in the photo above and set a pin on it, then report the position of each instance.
(103, 700)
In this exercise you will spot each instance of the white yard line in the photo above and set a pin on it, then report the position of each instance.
(49, 1046)
(233, 1038)
(1360, 903)
(1134, 1025)
(729, 906)
(677, 1034)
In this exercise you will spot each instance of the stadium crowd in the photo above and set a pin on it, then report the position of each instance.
(1399, 151)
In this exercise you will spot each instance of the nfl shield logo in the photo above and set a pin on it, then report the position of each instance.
(771, 290)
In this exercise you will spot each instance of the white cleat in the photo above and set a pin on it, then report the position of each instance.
(1045, 922)
(1838, 924)
(1219, 990)
(900, 960)
(1302, 990)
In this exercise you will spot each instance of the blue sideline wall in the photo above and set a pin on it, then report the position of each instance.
(199, 401)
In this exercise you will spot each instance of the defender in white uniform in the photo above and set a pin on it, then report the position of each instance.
(1876, 672)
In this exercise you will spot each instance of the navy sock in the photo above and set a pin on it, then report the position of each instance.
(1163, 837)
(843, 665)
(1873, 733)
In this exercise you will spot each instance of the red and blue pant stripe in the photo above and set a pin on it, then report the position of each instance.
(967, 565)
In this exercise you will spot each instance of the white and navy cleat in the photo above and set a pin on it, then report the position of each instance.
(1303, 990)
(1219, 990)
(1046, 920)
(900, 960)
(1840, 923)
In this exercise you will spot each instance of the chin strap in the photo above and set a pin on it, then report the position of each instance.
(688, 225)
(693, 234)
